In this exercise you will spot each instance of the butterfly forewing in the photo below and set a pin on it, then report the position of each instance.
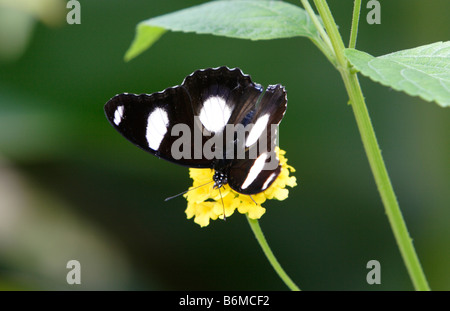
(221, 96)
(147, 121)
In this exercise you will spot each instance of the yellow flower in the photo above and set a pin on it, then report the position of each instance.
(205, 203)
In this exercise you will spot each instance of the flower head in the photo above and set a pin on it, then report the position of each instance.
(206, 202)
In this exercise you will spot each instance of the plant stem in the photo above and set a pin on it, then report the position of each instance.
(317, 23)
(373, 152)
(322, 41)
(254, 224)
(355, 22)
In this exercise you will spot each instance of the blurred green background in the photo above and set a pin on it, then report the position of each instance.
(72, 188)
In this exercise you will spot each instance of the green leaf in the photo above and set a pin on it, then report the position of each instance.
(250, 19)
(423, 71)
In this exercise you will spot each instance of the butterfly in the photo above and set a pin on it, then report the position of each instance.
(217, 119)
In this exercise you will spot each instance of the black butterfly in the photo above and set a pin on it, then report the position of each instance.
(232, 125)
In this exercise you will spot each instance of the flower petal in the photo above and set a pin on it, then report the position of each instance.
(205, 202)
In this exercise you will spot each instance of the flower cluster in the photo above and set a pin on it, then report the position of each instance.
(205, 202)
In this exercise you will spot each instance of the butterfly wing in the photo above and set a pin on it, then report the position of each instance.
(175, 124)
(221, 96)
(148, 121)
(260, 166)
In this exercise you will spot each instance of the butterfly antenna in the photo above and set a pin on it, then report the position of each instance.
(252, 199)
(177, 195)
(223, 205)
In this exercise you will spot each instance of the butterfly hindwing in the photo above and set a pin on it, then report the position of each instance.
(260, 166)
(251, 176)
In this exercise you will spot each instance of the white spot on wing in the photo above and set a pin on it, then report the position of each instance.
(118, 115)
(255, 170)
(257, 129)
(215, 113)
(157, 123)
(268, 180)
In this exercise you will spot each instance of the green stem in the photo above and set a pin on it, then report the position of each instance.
(373, 152)
(317, 23)
(322, 41)
(254, 224)
(355, 22)
(322, 46)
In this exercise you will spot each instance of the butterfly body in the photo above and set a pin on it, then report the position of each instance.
(217, 119)
(220, 179)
